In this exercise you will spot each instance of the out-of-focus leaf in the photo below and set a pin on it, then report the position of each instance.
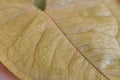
(40, 4)
(93, 26)
(5, 74)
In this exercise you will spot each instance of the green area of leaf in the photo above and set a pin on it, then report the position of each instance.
(40, 4)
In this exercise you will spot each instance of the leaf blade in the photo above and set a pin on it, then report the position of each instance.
(22, 53)
(84, 22)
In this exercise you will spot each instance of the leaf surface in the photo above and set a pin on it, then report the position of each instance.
(36, 46)
(93, 27)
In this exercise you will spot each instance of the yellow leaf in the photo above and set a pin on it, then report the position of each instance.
(35, 45)
(93, 27)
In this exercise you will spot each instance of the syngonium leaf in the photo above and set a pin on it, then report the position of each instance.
(71, 40)
(93, 27)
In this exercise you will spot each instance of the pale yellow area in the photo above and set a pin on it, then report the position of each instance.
(34, 48)
(93, 27)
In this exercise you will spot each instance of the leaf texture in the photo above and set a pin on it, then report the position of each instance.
(37, 45)
(93, 27)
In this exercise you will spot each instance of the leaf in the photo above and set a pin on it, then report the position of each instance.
(93, 27)
(33, 45)
(114, 7)
(33, 48)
